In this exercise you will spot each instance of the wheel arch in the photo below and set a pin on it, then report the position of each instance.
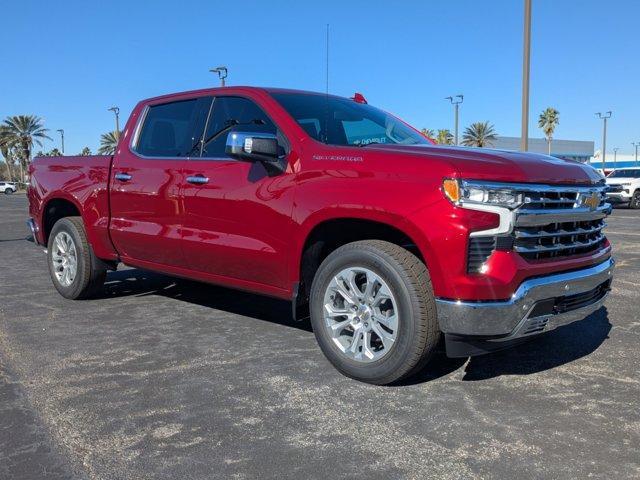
(327, 233)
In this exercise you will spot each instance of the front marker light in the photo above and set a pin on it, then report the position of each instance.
(451, 189)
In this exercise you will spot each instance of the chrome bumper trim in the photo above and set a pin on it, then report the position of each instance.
(511, 319)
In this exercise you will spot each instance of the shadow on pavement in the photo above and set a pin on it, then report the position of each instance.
(135, 282)
(550, 350)
(547, 351)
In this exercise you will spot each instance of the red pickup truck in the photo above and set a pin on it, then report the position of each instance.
(387, 241)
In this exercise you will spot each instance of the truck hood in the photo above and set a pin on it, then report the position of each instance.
(501, 165)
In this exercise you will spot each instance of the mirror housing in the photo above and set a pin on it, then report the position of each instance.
(254, 147)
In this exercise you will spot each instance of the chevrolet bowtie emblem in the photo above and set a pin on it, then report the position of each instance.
(591, 200)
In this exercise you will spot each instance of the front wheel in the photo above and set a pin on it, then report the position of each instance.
(8, 191)
(75, 271)
(635, 200)
(373, 311)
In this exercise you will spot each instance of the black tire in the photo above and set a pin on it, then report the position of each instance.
(635, 200)
(408, 278)
(91, 271)
(8, 191)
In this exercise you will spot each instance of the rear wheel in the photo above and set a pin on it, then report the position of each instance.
(8, 191)
(635, 200)
(373, 311)
(75, 271)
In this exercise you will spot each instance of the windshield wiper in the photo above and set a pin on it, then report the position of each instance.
(361, 145)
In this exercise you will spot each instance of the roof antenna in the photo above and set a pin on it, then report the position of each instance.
(326, 112)
(327, 69)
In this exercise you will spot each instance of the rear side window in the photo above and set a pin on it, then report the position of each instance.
(232, 112)
(173, 129)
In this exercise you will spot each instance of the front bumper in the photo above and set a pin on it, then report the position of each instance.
(538, 305)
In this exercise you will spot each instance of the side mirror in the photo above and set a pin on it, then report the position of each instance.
(254, 147)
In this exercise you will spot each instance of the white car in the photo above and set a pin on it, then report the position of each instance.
(625, 183)
(8, 187)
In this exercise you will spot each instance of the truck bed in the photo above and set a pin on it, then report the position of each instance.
(82, 181)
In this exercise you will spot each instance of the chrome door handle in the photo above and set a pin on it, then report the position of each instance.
(198, 180)
(123, 177)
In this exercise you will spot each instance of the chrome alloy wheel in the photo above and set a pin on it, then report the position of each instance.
(360, 314)
(64, 257)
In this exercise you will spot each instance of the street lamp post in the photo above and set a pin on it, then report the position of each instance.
(526, 63)
(61, 131)
(116, 112)
(456, 101)
(615, 159)
(604, 117)
(222, 74)
(636, 145)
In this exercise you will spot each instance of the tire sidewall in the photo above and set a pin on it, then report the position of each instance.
(635, 200)
(402, 348)
(73, 290)
(8, 191)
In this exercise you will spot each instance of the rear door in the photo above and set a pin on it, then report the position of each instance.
(147, 178)
(237, 216)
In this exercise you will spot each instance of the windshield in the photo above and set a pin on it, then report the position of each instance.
(341, 121)
(632, 173)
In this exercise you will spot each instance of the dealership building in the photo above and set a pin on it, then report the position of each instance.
(579, 150)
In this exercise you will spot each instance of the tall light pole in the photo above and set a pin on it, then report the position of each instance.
(636, 145)
(456, 101)
(615, 158)
(222, 74)
(526, 63)
(116, 112)
(61, 131)
(604, 117)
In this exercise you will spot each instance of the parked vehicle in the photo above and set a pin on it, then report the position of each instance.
(386, 240)
(8, 187)
(624, 186)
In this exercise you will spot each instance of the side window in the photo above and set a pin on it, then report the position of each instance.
(173, 129)
(229, 112)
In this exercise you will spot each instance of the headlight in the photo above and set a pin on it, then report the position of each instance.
(463, 192)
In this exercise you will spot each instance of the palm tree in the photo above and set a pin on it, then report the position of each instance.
(547, 121)
(428, 132)
(479, 134)
(23, 131)
(86, 151)
(444, 137)
(5, 150)
(108, 143)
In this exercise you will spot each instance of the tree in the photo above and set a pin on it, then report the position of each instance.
(479, 134)
(444, 137)
(86, 151)
(54, 152)
(19, 133)
(108, 143)
(547, 121)
(428, 133)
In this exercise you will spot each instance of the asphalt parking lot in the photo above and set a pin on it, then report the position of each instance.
(166, 378)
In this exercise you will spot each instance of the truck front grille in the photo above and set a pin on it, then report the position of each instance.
(554, 221)
(559, 239)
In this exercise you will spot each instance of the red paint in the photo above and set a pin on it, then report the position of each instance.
(247, 230)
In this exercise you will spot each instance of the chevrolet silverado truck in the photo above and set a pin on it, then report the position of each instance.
(624, 187)
(388, 242)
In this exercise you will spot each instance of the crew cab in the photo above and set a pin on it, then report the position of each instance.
(624, 187)
(386, 241)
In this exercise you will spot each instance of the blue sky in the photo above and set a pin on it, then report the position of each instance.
(68, 61)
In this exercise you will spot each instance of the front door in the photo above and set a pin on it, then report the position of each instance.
(147, 180)
(237, 218)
